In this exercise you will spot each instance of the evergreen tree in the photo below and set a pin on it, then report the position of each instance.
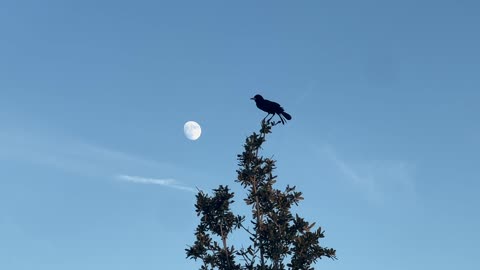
(279, 240)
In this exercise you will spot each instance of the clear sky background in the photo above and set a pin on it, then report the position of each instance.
(95, 172)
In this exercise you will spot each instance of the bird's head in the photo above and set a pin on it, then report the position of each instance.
(257, 98)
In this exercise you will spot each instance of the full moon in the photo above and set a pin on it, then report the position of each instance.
(192, 130)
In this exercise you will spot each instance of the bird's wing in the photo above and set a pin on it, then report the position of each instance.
(274, 105)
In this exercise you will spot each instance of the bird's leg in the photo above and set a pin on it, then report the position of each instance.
(265, 117)
(270, 118)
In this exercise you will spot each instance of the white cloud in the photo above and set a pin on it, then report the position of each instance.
(154, 181)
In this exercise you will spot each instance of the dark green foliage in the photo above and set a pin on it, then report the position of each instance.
(279, 240)
(216, 219)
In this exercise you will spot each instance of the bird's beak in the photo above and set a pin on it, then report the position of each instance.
(252, 98)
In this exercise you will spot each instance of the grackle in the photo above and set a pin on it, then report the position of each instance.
(271, 108)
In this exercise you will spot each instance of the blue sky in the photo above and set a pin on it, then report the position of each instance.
(95, 172)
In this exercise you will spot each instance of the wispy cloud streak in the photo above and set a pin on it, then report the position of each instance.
(379, 179)
(71, 155)
(154, 181)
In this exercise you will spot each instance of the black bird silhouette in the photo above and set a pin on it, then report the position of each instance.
(271, 108)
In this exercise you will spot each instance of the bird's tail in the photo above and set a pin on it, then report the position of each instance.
(287, 116)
